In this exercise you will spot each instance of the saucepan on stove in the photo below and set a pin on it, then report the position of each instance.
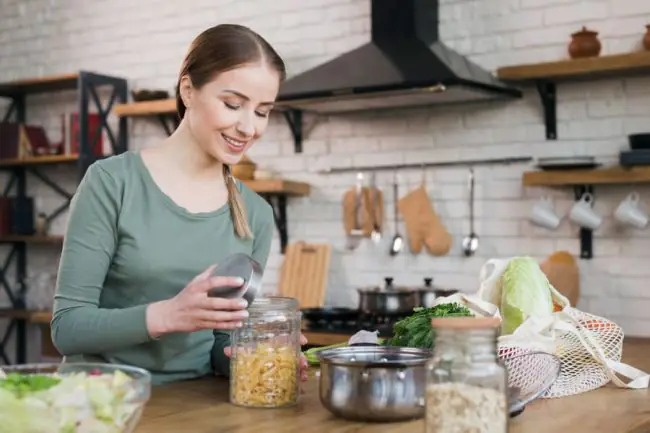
(373, 383)
(388, 300)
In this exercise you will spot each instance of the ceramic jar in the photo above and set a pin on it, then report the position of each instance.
(584, 43)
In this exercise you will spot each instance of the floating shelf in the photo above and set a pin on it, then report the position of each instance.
(599, 176)
(546, 75)
(583, 181)
(39, 317)
(165, 109)
(279, 186)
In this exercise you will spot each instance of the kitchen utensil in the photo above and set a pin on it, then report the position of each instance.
(239, 265)
(304, 273)
(470, 242)
(639, 141)
(583, 214)
(428, 293)
(563, 273)
(376, 211)
(398, 241)
(373, 383)
(530, 375)
(629, 212)
(352, 213)
(388, 300)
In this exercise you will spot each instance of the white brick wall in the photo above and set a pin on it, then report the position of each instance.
(45, 37)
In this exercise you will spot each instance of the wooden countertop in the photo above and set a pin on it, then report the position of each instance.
(201, 406)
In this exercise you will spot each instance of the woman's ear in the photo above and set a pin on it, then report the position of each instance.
(186, 90)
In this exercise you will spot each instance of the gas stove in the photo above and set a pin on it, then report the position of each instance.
(351, 325)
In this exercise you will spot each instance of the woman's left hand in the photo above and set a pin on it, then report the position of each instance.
(304, 366)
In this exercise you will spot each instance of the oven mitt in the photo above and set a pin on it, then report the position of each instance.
(423, 226)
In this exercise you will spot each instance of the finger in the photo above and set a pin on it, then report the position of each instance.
(203, 275)
(227, 351)
(216, 282)
(221, 304)
(303, 340)
(222, 316)
(220, 325)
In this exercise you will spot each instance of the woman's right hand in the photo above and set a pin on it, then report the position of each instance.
(192, 310)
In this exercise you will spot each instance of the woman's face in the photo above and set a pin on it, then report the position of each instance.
(228, 114)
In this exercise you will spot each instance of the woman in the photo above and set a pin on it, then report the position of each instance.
(145, 228)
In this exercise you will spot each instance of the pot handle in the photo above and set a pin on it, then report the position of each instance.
(364, 344)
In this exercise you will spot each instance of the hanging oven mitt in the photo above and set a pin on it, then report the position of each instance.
(423, 226)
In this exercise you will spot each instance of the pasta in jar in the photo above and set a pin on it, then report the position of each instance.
(265, 359)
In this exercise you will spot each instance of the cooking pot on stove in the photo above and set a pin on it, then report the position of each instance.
(428, 293)
(388, 300)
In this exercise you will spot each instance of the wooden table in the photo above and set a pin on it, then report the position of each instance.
(201, 406)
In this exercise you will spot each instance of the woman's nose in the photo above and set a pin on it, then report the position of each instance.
(246, 127)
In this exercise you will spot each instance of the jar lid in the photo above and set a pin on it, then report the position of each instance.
(243, 266)
(274, 303)
(461, 323)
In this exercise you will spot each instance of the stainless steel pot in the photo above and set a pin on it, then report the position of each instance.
(428, 294)
(375, 383)
(388, 300)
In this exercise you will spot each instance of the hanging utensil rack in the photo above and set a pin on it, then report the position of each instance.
(459, 163)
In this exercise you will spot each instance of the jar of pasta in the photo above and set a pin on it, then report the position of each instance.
(466, 388)
(265, 361)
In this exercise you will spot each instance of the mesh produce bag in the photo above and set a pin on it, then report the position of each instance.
(589, 347)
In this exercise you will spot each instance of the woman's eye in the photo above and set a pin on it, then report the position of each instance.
(262, 113)
(231, 106)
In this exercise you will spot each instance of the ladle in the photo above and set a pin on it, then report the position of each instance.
(398, 241)
(470, 242)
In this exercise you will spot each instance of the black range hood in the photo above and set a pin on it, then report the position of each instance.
(404, 64)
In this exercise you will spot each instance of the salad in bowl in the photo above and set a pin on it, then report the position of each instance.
(72, 398)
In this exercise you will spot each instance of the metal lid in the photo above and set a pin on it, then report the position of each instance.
(243, 266)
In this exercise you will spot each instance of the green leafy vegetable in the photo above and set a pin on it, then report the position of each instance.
(21, 385)
(416, 331)
(526, 292)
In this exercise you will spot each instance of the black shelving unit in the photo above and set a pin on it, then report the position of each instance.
(87, 85)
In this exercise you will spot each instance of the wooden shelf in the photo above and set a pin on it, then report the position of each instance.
(38, 317)
(599, 176)
(279, 186)
(146, 108)
(38, 160)
(31, 239)
(593, 67)
(50, 83)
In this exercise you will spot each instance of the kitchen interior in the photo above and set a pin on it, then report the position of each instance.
(404, 158)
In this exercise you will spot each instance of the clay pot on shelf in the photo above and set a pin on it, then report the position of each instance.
(584, 43)
(646, 38)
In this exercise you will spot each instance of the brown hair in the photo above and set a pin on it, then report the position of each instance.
(216, 50)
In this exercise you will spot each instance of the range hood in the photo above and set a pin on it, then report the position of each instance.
(404, 64)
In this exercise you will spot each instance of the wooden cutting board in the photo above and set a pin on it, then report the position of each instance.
(304, 273)
(562, 272)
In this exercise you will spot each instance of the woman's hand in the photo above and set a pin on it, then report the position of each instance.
(192, 309)
(303, 367)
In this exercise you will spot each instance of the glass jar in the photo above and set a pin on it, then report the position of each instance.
(265, 361)
(466, 384)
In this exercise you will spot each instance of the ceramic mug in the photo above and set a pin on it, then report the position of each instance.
(543, 214)
(583, 214)
(629, 212)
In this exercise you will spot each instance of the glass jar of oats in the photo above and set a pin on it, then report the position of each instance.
(466, 385)
(264, 366)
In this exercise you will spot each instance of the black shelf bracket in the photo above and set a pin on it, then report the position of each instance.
(279, 204)
(169, 122)
(548, 95)
(586, 235)
(295, 120)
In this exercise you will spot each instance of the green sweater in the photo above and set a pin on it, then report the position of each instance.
(127, 245)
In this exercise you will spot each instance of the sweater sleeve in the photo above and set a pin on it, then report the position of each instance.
(263, 226)
(79, 324)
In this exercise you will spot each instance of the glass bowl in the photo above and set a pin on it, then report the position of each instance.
(92, 397)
